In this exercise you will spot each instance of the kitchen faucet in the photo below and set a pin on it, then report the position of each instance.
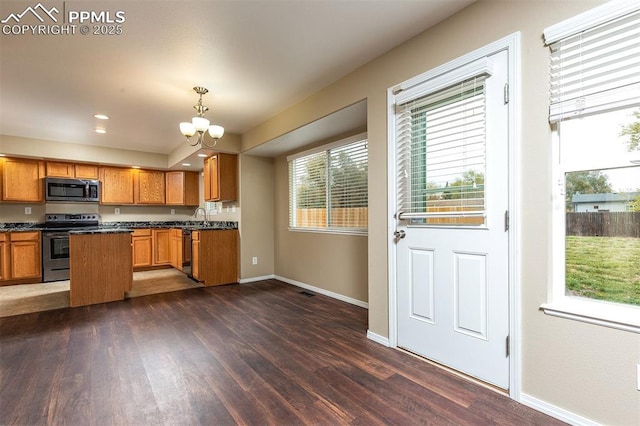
(204, 213)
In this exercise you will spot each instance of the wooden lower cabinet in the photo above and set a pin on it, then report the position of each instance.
(175, 248)
(20, 257)
(142, 248)
(150, 248)
(103, 281)
(220, 250)
(161, 247)
(195, 255)
(4, 256)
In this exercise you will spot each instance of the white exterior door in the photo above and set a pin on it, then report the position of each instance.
(452, 268)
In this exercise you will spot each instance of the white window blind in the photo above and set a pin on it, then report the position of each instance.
(441, 155)
(328, 189)
(594, 69)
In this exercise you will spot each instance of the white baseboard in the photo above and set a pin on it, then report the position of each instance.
(324, 292)
(378, 338)
(557, 412)
(254, 279)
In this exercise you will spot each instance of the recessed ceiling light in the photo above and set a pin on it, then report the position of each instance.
(186, 164)
(202, 155)
(101, 117)
(101, 131)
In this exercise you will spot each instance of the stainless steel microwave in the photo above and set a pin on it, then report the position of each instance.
(72, 190)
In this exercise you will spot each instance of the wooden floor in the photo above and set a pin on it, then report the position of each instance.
(261, 353)
(27, 298)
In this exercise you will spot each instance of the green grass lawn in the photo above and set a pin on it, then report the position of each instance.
(605, 268)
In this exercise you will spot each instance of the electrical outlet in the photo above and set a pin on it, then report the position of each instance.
(638, 377)
(254, 260)
(173, 211)
(233, 209)
(117, 210)
(27, 210)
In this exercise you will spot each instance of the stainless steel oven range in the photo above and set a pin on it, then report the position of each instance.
(55, 242)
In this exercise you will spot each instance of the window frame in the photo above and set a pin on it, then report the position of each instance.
(603, 313)
(326, 148)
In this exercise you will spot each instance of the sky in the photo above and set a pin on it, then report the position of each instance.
(592, 143)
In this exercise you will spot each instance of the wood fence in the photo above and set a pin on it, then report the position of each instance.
(356, 217)
(603, 224)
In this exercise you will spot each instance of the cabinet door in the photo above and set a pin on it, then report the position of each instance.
(4, 258)
(191, 188)
(175, 250)
(141, 251)
(207, 179)
(117, 186)
(175, 188)
(56, 169)
(215, 177)
(149, 187)
(161, 247)
(221, 176)
(25, 259)
(195, 254)
(86, 171)
(22, 180)
(182, 188)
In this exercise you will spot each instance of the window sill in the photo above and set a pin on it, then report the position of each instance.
(356, 232)
(613, 315)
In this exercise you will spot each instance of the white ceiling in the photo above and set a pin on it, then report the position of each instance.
(255, 57)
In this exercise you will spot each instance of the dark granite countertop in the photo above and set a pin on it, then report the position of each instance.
(101, 231)
(21, 226)
(124, 226)
(196, 225)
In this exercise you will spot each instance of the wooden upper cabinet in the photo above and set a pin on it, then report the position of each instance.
(221, 177)
(149, 187)
(22, 180)
(117, 185)
(86, 171)
(70, 170)
(182, 188)
(56, 169)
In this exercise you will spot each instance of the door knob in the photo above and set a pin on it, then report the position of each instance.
(399, 234)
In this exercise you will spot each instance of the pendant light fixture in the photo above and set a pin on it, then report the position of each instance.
(200, 125)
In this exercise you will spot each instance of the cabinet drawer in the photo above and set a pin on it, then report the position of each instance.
(25, 236)
(4, 237)
(141, 233)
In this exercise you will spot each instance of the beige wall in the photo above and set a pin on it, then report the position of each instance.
(257, 218)
(586, 369)
(333, 262)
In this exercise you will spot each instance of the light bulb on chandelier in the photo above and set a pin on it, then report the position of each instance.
(200, 125)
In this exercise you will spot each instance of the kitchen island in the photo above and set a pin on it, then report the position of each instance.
(100, 266)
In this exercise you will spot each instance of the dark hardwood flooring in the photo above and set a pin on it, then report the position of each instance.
(256, 354)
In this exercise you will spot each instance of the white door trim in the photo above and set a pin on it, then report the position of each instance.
(510, 43)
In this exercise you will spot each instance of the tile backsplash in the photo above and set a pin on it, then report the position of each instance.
(15, 212)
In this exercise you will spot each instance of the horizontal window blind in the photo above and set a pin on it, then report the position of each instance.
(597, 69)
(441, 154)
(328, 189)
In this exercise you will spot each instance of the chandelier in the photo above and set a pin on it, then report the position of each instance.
(200, 124)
